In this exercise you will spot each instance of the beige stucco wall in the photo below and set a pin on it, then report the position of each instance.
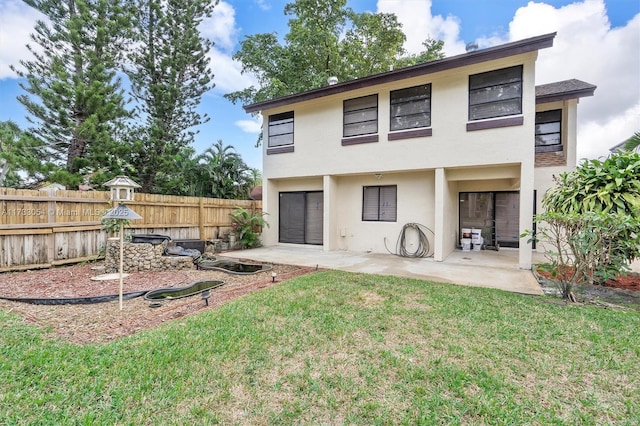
(492, 159)
(344, 228)
(415, 198)
(318, 131)
(544, 175)
(270, 200)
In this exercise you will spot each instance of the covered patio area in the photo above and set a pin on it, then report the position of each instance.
(491, 269)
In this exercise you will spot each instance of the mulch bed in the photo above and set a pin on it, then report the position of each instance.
(624, 290)
(103, 322)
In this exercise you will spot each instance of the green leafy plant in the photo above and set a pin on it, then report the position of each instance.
(587, 248)
(592, 223)
(247, 226)
(112, 226)
(608, 186)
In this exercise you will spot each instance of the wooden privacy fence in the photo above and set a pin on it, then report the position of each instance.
(39, 229)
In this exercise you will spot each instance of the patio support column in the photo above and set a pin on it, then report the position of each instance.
(330, 213)
(440, 210)
(570, 122)
(526, 213)
(270, 206)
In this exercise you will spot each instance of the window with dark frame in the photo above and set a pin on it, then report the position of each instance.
(360, 116)
(379, 203)
(548, 131)
(280, 129)
(495, 93)
(410, 108)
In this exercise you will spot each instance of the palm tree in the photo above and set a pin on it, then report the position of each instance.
(633, 143)
(227, 174)
(255, 177)
(187, 178)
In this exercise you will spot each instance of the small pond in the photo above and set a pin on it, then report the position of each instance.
(233, 266)
(179, 292)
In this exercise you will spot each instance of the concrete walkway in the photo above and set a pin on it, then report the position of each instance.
(481, 269)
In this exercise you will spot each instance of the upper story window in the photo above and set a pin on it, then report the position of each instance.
(379, 203)
(360, 116)
(548, 131)
(411, 108)
(280, 129)
(495, 93)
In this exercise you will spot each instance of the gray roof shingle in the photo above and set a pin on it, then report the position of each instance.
(562, 90)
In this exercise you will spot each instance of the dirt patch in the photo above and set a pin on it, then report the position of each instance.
(104, 321)
(624, 291)
(626, 281)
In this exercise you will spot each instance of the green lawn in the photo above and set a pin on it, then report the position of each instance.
(335, 348)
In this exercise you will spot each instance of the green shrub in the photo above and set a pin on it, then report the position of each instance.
(609, 186)
(247, 226)
(592, 221)
(587, 248)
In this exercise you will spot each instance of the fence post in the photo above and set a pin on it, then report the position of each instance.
(201, 219)
(52, 217)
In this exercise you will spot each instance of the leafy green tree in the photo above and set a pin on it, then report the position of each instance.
(592, 218)
(325, 39)
(187, 177)
(227, 175)
(609, 186)
(169, 73)
(20, 156)
(74, 98)
(432, 51)
(633, 143)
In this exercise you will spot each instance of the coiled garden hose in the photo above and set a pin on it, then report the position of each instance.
(423, 248)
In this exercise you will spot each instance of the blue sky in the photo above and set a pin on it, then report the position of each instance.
(598, 42)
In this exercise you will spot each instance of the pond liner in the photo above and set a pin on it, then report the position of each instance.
(154, 239)
(76, 300)
(232, 267)
(172, 293)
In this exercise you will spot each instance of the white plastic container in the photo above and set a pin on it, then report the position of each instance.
(465, 233)
(466, 244)
(477, 244)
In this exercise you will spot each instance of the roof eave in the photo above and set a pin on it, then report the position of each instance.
(574, 94)
(469, 58)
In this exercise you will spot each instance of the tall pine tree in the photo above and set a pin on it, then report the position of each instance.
(21, 156)
(169, 74)
(74, 97)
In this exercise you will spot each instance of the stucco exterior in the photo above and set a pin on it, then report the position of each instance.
(429, 170)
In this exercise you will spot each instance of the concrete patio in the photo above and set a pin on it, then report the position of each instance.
(473, 268)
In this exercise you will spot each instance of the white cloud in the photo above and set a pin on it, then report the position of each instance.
(228, 75)
(221, 27)
(595, 139)
(418, 23)
(262, 4)
(17, 21)
(587, 48)
(250, 126)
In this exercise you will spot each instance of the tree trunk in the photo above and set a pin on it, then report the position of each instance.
(76, 150)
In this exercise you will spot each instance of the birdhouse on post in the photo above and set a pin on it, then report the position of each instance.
(122, 189)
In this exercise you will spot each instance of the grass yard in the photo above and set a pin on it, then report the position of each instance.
(339, 348)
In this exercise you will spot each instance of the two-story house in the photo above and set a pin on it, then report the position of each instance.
(461, 142)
